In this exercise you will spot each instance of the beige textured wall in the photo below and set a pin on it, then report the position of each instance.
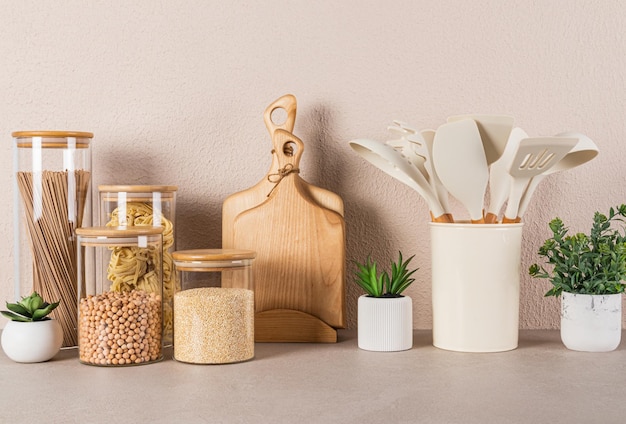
(174, 92)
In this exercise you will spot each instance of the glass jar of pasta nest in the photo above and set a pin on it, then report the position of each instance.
(52, 195)
(153, 205)
(214, 311)
(120, 289)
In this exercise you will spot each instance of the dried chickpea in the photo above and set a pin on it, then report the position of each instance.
(120, 328)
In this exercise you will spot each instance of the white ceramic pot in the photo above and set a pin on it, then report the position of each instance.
(475, 286)
(385, 324)
(591, 323)
(36, 341)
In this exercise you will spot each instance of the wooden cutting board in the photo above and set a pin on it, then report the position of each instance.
(257, 194)
(300, 245)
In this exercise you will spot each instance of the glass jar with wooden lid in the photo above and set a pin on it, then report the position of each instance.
(153, 205)
(120, 310)
(214, 311)
(52, 197)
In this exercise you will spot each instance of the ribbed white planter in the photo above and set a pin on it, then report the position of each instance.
(591, 323)
(385, 324)
(28, 342)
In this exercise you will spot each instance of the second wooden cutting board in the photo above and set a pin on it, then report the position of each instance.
(300, 245)
(247, 199)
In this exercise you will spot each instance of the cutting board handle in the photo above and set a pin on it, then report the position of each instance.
(289, 104)
(288, 149)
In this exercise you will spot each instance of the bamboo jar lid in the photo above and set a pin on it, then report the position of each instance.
(137, 188)
(132, 231)
(53, 139)
(212, 259)
(209, 255)
(52, 134)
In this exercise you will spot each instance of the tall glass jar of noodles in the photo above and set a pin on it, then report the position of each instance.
(52, 197)
(152, 205)
(120, 307)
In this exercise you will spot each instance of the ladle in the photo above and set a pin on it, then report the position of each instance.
(388, 160)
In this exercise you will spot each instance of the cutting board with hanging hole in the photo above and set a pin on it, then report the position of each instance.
(299, 271)
(247, 199)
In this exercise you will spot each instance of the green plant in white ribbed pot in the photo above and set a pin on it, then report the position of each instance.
(385, 316)
(31, 336)
(588, 272)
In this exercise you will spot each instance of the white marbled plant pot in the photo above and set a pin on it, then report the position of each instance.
(385, 324)
(28, 342)
(591, 323)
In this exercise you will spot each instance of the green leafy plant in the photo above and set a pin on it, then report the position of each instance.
(31, 308)
(384, 285)
(586, 264)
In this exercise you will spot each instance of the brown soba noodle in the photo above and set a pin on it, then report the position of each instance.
(48, 206)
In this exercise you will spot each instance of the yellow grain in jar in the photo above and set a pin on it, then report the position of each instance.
(214, 325)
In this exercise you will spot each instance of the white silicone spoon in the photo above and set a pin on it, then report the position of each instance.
(584, 150)
(461, 165)
(385, 158)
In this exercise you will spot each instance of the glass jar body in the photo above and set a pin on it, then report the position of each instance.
(214, 311)
(120, 307)
(52, 197)
(149, 205)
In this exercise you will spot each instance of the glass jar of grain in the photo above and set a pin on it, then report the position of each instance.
(52, 197)
(120, 289)
(153, 205)
(214, 311)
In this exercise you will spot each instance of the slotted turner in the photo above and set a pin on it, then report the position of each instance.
(583, 152)
(534, 156)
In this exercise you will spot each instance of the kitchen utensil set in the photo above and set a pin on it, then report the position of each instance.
(470, 154)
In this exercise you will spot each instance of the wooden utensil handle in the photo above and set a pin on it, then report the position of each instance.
(286, 102)
(491, 218)
(446, 217)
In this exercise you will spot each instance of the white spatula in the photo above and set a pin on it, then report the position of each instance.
(460, 163)
(494, 132)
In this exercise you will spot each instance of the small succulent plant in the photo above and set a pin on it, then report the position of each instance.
(384, 285)
(30, 308)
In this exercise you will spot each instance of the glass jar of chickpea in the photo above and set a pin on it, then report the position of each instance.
(120, 290)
